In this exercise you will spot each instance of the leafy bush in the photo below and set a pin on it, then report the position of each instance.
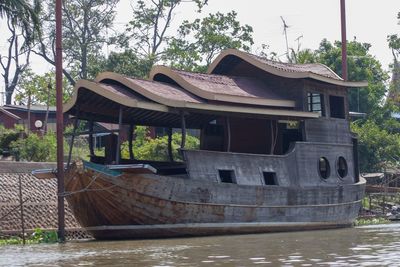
(37, 237)
(41, 236)
(7, 136)
(35, 148)
(376, 146)
(156, 149)
(44, 148)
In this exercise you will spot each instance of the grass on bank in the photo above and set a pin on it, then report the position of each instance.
(37, 237)
(371, 221)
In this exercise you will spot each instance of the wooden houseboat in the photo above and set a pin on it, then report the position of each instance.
(276, 151)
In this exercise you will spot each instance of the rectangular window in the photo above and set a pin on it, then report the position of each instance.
(315, 103)
(336, 104)
(227, 176)
(270, 178)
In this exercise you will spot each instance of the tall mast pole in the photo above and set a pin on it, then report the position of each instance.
(344, 39)
(60, 124)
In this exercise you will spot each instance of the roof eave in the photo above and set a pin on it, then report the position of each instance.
(96, 88)
(282, 73)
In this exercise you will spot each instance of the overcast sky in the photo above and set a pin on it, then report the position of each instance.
(367, 20)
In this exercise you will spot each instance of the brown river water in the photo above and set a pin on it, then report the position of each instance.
(377, 245)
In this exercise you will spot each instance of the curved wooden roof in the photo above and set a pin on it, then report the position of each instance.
(242, 90)
(113, 93)
(314, 71)
(162, 93)
(155, 103)
(202, 96)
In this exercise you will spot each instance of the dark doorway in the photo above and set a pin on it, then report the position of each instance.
(336, 104)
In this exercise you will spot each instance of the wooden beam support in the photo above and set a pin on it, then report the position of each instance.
(76, 124)
(170, 155)
(183, 128)
(118, 151)
(130, 140)
(228, 130)
(91, 149)
(274, 135)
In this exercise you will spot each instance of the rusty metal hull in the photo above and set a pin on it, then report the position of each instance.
(153, 206)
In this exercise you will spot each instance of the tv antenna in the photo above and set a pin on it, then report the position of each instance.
(285, 27)
(298, 42)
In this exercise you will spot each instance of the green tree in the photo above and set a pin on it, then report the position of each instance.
(23, 27)
(148, 33)
(303, 56)
(21, 13)
(85, 26)
(198, 42)
(361, 66)
(40, 88)
(15, 60)
(378, 147)
(36, 89)
(126, 62)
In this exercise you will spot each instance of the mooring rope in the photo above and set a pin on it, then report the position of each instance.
(87, 188)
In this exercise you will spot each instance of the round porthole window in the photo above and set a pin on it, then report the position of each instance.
(342, 167)
(324, 168)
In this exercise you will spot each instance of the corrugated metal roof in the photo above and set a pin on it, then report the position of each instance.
(33, 108)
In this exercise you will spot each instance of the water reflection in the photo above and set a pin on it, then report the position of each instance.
(364, 246)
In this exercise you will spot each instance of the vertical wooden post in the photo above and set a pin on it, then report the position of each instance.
(91, 148)
(272, 138)
(170, 156)
(183, 129)
(130, 140)
(228, 128)
(76, 123)
(370, 200)
(21, 203)
(344, 39)
(60, 123)
(118, 151)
